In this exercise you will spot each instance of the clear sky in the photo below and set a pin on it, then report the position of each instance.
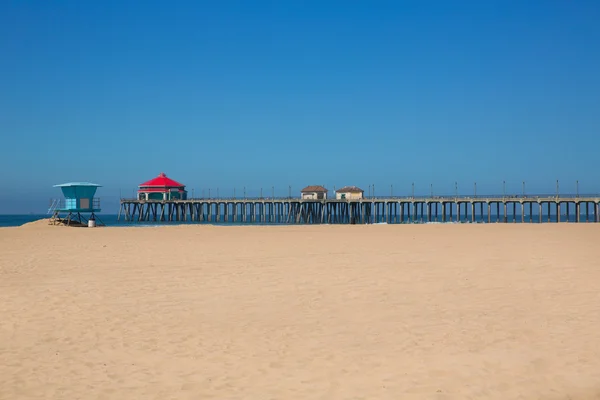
(275, 93)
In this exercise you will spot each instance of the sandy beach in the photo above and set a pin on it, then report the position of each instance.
(495, 311)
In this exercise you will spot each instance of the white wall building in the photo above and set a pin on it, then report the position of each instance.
(314, 192)
(349, 193)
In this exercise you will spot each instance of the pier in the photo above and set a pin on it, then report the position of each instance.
(368, 210)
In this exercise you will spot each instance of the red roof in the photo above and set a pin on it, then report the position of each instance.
(157, 190)
(350, 189)
(162, 181)
(314, 188)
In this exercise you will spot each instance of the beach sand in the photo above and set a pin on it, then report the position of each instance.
(497, 311)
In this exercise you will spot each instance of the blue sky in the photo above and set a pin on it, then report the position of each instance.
(265, 93)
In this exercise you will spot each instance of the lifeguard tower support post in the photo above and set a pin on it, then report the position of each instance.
(78, 198)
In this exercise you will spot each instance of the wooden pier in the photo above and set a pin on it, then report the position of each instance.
(392, 210)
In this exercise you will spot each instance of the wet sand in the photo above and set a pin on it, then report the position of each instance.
(495, 311)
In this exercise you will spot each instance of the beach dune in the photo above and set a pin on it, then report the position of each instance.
(486, 311)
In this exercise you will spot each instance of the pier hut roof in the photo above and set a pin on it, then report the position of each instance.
(162, 181)
(314, 189)
(350, 189)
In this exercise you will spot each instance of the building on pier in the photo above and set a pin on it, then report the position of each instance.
(314, 192)
(349, 193)
(162, 188)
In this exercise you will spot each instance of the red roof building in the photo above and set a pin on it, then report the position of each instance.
(162, 188)
(316, 192)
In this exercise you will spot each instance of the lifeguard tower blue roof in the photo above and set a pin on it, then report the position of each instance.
(78, 184)
(79, 197)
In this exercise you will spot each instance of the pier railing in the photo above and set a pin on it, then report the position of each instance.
(505, 197)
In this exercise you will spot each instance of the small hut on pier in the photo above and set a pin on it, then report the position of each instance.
(314, 192)
(349, 193)
(162, 188)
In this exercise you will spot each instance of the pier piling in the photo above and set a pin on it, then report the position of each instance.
(358, 211)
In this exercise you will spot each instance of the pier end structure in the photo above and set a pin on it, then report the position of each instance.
(161, 188)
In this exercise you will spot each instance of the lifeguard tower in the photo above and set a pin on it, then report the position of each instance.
(78, 199)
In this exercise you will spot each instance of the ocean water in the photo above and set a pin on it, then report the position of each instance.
(111, 220)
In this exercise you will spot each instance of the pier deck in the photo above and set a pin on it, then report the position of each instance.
(405, 209)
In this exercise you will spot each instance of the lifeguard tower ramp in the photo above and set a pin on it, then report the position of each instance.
(78, 207)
